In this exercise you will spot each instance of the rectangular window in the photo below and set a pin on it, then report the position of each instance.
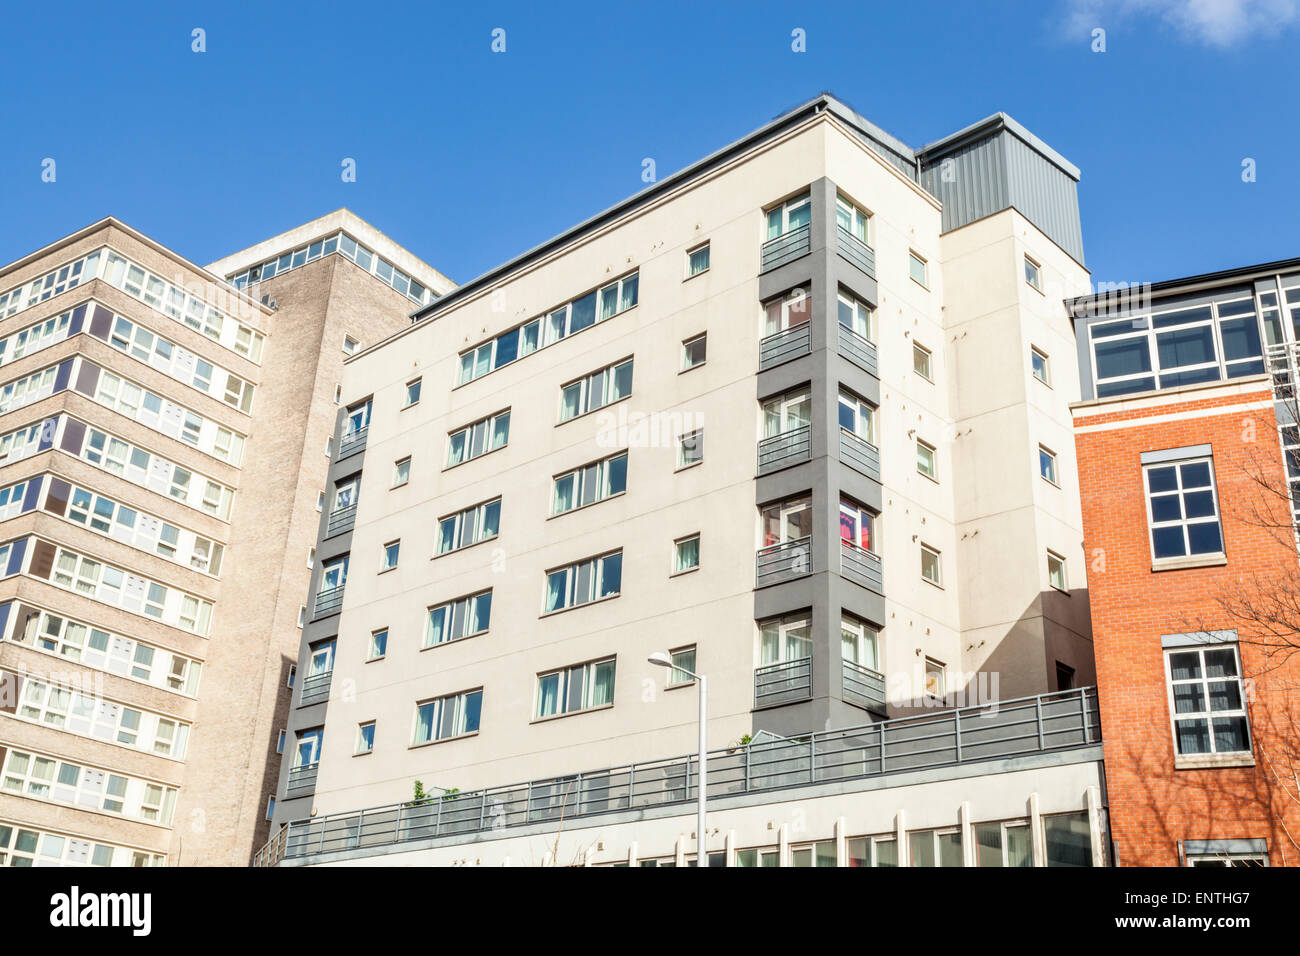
(686, 554)
(857, 525)
(596, 390)
(852, 220)
(447, 717)
(478, 438)
(694, 352)
(334, 574)
(1047, 463)
(366, 737)
(690, 449)
(858, 642)
(1038, 363)
(589, 484)
(1183, 510)
(388, 559)
(925, 459)
(855, 316)
(1064, 676)
(814, 855)
(580, 687)
(279, 742)
(1056, 572)
(789, 312)
(786, 521)
(918, 269)
(921, 362)
(1033, 274)
(785, 413)
(378, 644)
(930, 565)
(790, 215)
(784, 639)
(697, 260)
(401, 471)
(683, 660)
(270, 807)
(856, 416)
(872, 851)
(470, 526)
(584, 582)
(935, 678)
(1207, 700)
(350, 345)
(1003, 844)
(412, 393)
(463, 617)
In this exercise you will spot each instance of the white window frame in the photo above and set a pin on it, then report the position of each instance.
(1048, 457)
(589, 574)
(1204, 682)
(677, 554)
(1046, 377)
(478, 438)
(470, 615)
(1034, 274)
(913, 259)
(690, 449)
(468, 526)
(401, 476)
(564, 680)
(691, 271)
(389, 555)
(1184, 522)
(937, 581)
(703, 339)
(1058, 560)
(583, 479)
(922, 356)
(933, 452)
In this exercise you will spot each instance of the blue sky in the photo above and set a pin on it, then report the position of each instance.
(468, 157)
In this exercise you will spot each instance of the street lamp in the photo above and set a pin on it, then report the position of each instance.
(661, 659)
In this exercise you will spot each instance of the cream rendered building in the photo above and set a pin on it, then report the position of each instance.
(852, 499)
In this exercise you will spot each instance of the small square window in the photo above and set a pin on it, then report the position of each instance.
(1033, 274)
(918, 269)
(694, 352)
(935, 678)
(388, 559)
(921, 362)
(697, 260)
(1047, 463)
(279, 742)
(378, 644)
(401, 471)
(683, 661)
(1056, 572)
(925, 459)
(366, 737)
(690, 449)
(412, 393)
(686, 554)
(1039, 364)
(350, 345)
(930, 565)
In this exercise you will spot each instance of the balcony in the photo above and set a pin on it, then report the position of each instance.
(784, 562)
(785, 248)
(861, 352)
(780, 347)
(863, 687)
(341, 520)
(782, 683)
(315, 689)
(302, 780)
(944, 740)
(859, 454)
(328, 602)
(861, 566)
(788, 448)
(352, 442)
(854, 251)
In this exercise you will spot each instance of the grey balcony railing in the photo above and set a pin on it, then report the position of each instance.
(782, 683)
(863, 687)
(341, 520)
(784, 562)
(854, 250)
(786, 449)
(860, 566)
(328, 602)
(315, 688)
(948, 738)
(859, 454)
(352, 442)
(786, 248)
(785, 345)
(859, 351)
(301, 780)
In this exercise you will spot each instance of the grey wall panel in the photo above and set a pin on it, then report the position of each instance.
(1044, 194)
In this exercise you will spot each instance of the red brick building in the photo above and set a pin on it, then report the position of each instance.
(1192, 566)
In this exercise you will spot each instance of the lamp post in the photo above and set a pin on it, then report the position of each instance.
(661, 659)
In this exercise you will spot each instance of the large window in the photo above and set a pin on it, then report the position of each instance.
(784, 413)
(49, 778)
(596, 390)
(1182, 508)
(584, 582)
(470, 526)
(1003, 844)
(786, 521)
(589, 484)
(478, 438)
(858, 642)
(447, 717)
(856, 316)
(307, 750)
(788, 312)
(1207, 700)
(857, 525)
(788, 216)
(580, 687)
(463, 617)
(857, 417)
(785, 639)
(334, 574)
(852, 219)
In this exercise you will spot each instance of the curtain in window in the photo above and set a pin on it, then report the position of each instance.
(602, 691)
(688, 554)
(548, 695)
(424, 722)
(555, 587)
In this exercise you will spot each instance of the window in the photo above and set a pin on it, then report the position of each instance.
(852, 220)
(857, 525)
(935, 678)
(412, 393)
(855, 316)
(683, 660)
(580, 687)
(584, 582)
(921, 362)
(872, 851)
(270, 807)
(366, 737)
(338, 394)
(1003, 844)
(447, 717)
(790, 215)
(784, 639)
(1047, 463)
(302, 614)
(816, 854)
(463, 617)
(358, 419)
(293, 676)
(1224, 858)
(786, 521)
(858, 642)
(690, 449)
(311, 558)
(1039, 365)
(478, 438)
(789, 312)
(1207, 700)
(596, 390)
(1068, 839)
(346, 493)
(925, 459)
(686, 554)
(388, 559)
(350, 345)
(918, 269)
(1056, 572)
(334, 574)
(1064, 676)
(279, 741)
(378, 644)
(320, 501)
(401, 471)
(589, 484)
(697, 260)
(758, 858)
(857, 417)
(321, 658)
(785, 413)
(1033, 274)
(930, 565)
(694, 352)
(1182, 507)
(470, 526)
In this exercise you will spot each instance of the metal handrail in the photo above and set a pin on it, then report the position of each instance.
(786, 448)
(998, 730)
(328, 601)
(353, 441)
(340, 520)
